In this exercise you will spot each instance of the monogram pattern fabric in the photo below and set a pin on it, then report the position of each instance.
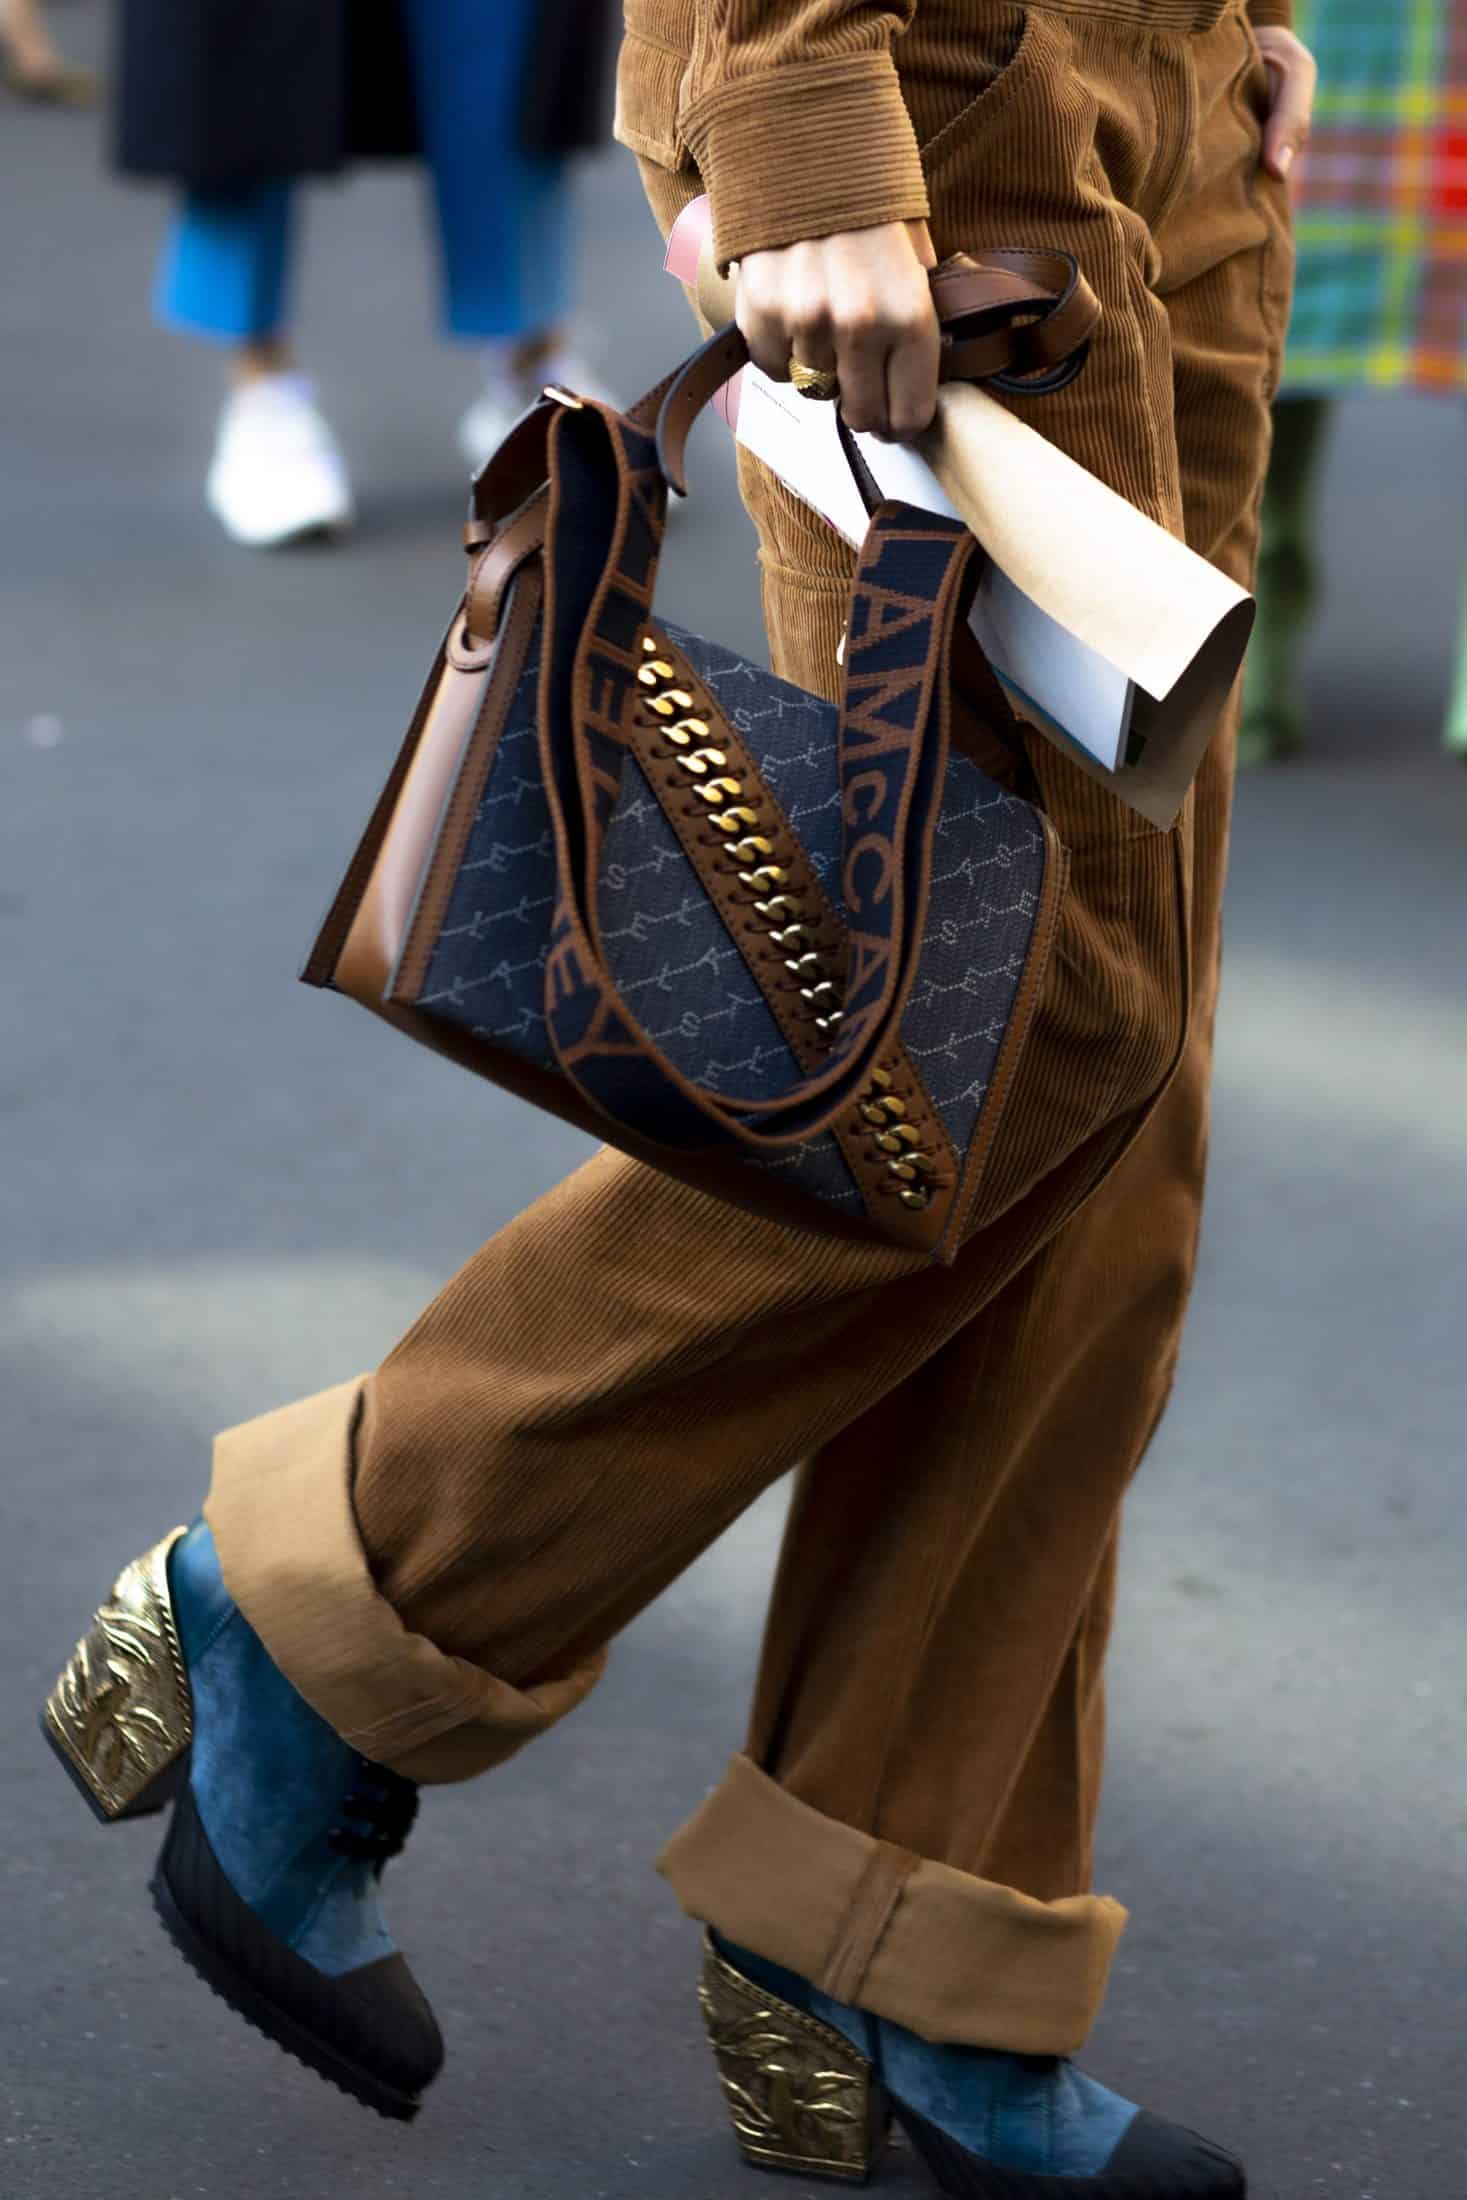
(668, 950)
(988, 865)
(487, 970)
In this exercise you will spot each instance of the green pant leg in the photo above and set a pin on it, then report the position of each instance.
(1456, 733)
(1287, 587)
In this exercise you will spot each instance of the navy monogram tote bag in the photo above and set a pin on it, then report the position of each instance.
(785, 949)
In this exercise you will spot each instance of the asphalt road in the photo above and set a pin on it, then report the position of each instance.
(219, 1190)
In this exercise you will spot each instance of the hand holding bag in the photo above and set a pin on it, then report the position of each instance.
(785, 950)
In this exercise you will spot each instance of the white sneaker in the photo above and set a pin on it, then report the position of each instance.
(510, 390)
(277, 473)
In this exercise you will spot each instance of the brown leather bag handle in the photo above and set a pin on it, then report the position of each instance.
(1021, 321)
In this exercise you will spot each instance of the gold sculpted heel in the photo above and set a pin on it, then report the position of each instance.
(800, 2096)
(120, 1717)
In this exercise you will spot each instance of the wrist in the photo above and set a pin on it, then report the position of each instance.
(806, 151)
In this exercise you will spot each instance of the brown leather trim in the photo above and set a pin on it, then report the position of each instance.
(1031, 986)
(688, 390)
(321, 963)
(439, 868)
(516, 470)
(1047, 285)
(1077, 313)
(493, 571)
(385, 906)
(976, 358)
(963, 285)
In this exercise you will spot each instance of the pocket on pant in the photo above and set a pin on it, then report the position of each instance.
(999, 66)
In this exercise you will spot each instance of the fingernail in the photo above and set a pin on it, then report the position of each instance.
(1286, 160)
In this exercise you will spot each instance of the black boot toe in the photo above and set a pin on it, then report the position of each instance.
(370, 2031)
(1167, 2162)
(1154, 2161)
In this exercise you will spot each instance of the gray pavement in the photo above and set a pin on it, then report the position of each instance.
(220, 1190)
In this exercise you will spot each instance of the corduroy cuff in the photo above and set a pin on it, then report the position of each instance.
(280, 1507)
(1278, 12)
(804, 151)
(950, 1956)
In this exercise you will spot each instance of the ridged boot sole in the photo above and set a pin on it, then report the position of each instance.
(299, 2008)
(800, 2097)
(120, 1718)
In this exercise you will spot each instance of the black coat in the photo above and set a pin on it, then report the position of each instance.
(217, 94)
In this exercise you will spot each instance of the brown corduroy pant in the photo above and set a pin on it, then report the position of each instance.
(438, 1555)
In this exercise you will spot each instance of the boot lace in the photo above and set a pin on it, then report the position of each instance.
(377, 1814)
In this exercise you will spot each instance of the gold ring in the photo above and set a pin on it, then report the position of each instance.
(816, 382)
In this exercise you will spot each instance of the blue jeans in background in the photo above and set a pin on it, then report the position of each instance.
(503, 220)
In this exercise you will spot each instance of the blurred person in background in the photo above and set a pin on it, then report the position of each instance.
(1380, 302)
(237, 105)
(30, 65)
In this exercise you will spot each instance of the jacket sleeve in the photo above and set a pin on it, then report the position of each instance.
(796, 120)
(1280, 12)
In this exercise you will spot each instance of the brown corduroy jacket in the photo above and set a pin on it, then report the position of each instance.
(804, 117)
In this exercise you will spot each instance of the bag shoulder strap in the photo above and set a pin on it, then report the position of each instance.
(907, 596)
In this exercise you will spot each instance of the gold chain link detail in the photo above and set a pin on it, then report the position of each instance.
(909, 1171)
(788, 924)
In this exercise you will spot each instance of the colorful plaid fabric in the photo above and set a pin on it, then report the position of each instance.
(1382, 201)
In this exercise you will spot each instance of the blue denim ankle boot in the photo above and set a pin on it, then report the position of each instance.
(268, 1878)
(813, 2084)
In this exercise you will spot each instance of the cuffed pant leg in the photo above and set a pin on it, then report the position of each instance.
(281, 1510)
(437, 1555)
(949, 1955)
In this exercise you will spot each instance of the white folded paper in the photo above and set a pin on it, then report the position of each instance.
(1081, 694)
(1109, 635)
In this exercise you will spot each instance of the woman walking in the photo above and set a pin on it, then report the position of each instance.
(410, 1576)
